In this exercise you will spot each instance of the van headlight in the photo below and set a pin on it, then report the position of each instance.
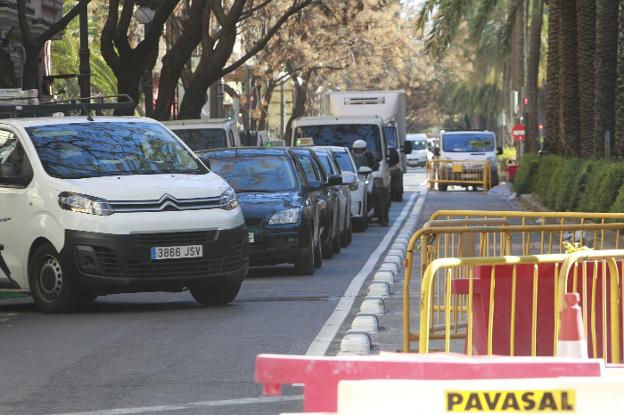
(285, 217)
(228, 199)
(80, 203)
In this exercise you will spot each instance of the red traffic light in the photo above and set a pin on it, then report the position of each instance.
(525, 101)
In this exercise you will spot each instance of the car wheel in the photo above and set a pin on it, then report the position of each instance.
(345, 236)
(327, 248)
(304, 265)
(318, 255)
(52, 288)
(337, 242)
(215, 295)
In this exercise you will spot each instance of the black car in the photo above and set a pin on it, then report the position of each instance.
(330, 215)
(280, 205)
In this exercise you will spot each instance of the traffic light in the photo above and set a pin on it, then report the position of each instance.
(525, 100)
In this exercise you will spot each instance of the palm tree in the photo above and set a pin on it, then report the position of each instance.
(605, 72)
(586, 43)
(552, 138)
(533, 62)
(618, 147)
(569, 88)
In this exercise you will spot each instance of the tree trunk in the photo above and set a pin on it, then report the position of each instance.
(128, 83)
(32, 68)
(552, 137)
(535, 44)
(618, 148)
(586, 44)
(606, 75)
(301, 97)
(569, 90)
(267, 94)
(7, 70)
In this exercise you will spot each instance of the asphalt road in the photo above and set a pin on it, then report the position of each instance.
(162, 353)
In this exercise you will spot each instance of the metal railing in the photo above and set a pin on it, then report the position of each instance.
(445, 173)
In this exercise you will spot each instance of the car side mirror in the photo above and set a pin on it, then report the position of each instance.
(499, 151)
(348, 177)
(21, 181)
(206, 163)
(334, 180)
(436, 151)
(407, 147)
(365, 170)
(314, 186)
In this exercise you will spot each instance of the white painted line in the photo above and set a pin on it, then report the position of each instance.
(324, 338)
(192, 405)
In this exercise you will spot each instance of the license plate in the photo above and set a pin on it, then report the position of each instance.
(252, 237)
(458, 169)
(176, 252)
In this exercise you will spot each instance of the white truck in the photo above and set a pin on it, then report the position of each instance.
(390, 106)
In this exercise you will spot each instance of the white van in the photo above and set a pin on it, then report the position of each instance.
(205, 134)
(469, 146)
(113, 205)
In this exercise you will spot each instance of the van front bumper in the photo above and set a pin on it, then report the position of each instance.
(122, 263)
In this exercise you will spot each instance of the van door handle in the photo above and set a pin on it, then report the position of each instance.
(5, 219)
(477, 154)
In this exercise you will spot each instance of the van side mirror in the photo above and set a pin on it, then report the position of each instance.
(334, 180)
(407, 147)
(20, 181)
(206, 162)
(393, 157)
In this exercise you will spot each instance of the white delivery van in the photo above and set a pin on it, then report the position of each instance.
(206, 134)
(104, 205)
(390, 106)
(469, 146)
(420, 149)
(343, 132)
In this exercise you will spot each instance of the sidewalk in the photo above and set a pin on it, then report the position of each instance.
(391, 337)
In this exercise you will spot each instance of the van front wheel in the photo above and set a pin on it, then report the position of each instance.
(215, 295)
(52, 288)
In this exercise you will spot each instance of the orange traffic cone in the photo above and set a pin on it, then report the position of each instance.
(572, 341)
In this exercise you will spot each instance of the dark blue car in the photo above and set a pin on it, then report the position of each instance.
(280, 204)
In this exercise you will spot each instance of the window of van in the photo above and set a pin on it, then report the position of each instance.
(391, 136)
(203, 138)
(81, 150)
(468, 142)
(343, 136)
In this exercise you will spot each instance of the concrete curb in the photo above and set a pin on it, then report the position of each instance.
(360, 339)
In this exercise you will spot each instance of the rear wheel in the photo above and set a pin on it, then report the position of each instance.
(328, 246)
(215, 295)
(52, 288)
(346, 235)
(337, 243)
(318, 256)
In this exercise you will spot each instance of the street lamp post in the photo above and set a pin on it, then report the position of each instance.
(145, 15)
(84, 78)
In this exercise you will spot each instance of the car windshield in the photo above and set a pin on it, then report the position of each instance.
(93, 149)
(391, 135)
(343, 135)
(261, 173)
(419, 145)
(203, 138)
(327, 165)
(308, 165)
(468, 142)
(344, 161)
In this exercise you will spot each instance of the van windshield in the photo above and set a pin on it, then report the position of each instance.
(468, 142)
(419, 145)
(203, 138)
(74, 151)
(343, 135)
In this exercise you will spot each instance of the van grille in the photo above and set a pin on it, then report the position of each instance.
(177, 238)
(108, 260)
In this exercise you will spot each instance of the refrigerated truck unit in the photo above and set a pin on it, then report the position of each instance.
(389, 105)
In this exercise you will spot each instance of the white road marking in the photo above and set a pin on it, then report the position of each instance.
(324, 338)
(192, 405)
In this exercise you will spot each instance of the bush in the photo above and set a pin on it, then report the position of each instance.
(578, 186)
(523, 183)
(561, 194)
(618, 204)
(587, 201)
(609, 186)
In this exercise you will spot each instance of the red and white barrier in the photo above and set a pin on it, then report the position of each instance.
(572, 341)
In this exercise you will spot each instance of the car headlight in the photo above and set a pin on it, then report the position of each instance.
(84, 204)
(228, 199)
(285, 216)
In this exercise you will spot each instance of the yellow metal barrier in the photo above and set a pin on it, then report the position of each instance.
(444, 173)
(492, 309)
(489, 234)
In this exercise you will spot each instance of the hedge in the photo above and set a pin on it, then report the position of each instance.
(572, 184)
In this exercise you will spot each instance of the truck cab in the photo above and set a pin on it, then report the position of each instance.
(206, 134)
